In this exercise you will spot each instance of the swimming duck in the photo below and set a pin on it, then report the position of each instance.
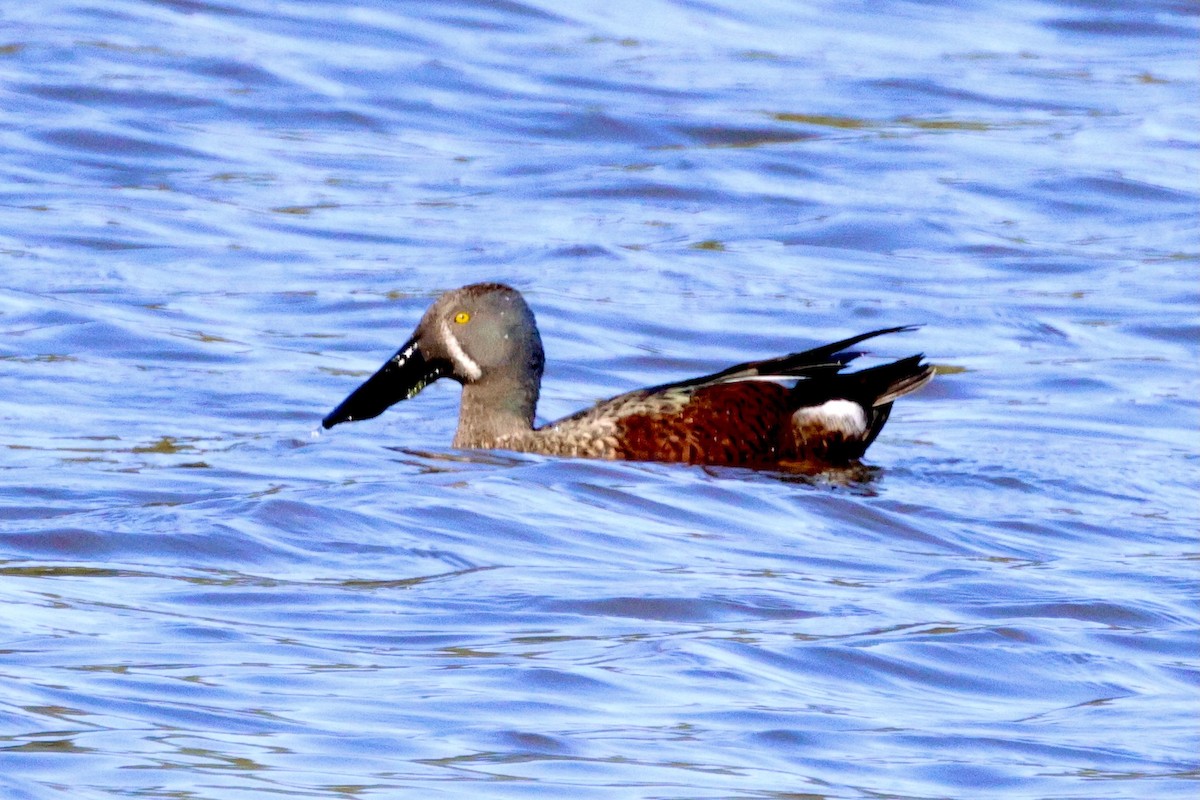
(798, 411)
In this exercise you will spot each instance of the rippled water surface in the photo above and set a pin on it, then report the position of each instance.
(217, 218)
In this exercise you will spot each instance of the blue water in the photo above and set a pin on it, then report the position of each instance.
(217, 218)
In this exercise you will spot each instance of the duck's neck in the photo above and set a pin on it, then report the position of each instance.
(495, 409)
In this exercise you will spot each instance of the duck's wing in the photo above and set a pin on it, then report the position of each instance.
(825, 360)
(748, 413)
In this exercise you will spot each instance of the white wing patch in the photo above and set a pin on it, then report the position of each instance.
(842, 416)
(782, 380)
(459, 356)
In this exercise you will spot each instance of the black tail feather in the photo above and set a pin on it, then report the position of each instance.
(875, 389)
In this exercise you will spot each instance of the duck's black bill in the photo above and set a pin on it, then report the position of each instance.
(403, 376)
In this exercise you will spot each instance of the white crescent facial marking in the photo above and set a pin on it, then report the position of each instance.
(843, 416)
(461, 360)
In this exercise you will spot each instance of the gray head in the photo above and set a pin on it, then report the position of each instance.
(484, 336)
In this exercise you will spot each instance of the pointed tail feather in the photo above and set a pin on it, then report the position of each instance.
(873, 389)
(886, 383)
(897, 379)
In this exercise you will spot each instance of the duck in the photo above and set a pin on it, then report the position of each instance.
(800, 412)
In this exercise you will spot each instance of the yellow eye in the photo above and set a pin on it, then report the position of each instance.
(462, 318)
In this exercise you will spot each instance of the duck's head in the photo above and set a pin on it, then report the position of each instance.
(482, 335)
